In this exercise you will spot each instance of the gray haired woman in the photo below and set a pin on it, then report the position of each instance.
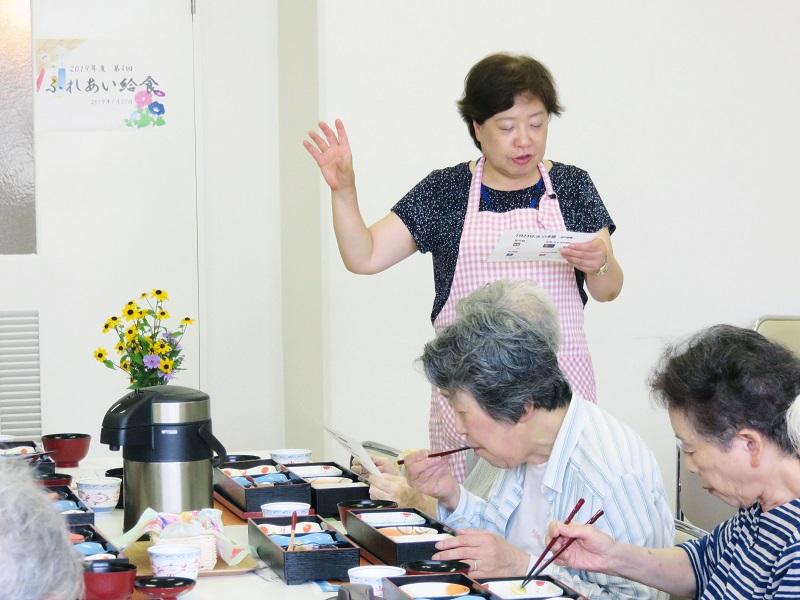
(37, 560)
(733, 398)
(501, 376)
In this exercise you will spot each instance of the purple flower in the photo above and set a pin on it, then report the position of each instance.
(159, 93)
(151, 361)
(167, 376)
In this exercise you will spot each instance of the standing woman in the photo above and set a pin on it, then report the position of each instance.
(459, 213)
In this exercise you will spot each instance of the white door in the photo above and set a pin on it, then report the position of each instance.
(116, 206)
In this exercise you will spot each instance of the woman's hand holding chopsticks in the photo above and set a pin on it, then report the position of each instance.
(592, 549)
(431, 476)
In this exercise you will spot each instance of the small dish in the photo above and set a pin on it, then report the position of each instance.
(64, 505)
(166, 588)
(426, 567)
(53, 479)
(537, 588)
(434, 589)
(302, 527)
(89, 548)
(316, 471)
(234, 458)
(307, 540)
(407, 530)
(390, 519)
(252, 471)
(345, 506)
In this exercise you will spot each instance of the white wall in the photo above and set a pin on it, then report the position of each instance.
(239, 201)
(684, 113)
(116, 216)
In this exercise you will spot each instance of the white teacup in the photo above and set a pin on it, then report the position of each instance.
(174, 560)
(99, 493)
(290, 456)
(285, 509)
(373, 575)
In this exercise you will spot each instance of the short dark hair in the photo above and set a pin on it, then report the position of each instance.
(501, 359)
(493, 84)
(725, 379)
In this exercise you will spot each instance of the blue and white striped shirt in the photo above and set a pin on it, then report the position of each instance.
(597, 458)
(753, 555)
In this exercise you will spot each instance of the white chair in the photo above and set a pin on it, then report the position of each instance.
(683, 533)
(782, 329)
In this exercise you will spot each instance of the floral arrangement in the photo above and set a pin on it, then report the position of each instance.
(150, 351)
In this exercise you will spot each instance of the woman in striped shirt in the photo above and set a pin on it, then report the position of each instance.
(734, 402)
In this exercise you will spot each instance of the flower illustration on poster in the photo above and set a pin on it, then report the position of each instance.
(149, 109)
(99, 84)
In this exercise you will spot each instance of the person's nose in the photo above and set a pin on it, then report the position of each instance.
(523, 138)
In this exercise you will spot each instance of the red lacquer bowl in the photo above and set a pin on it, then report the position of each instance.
(164, 587)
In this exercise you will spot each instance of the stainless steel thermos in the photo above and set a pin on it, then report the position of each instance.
(167, 449)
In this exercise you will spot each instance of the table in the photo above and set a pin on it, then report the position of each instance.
(262, 583)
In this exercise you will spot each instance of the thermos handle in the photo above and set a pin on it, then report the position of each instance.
(215, 445)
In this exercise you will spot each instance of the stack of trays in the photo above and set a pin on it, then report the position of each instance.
(42, 465)
(331, 483)
(245, 499)
(84, 514)
(307, 562)
(396, 535)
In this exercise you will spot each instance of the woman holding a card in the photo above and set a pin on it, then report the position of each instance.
(460, 213)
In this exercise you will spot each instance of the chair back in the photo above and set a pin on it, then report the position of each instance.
(683, 533)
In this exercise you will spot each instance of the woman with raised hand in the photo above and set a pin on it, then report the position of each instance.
(459, 213)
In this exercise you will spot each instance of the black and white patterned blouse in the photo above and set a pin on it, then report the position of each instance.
(434, 212)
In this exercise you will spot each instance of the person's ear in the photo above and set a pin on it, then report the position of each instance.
(527, 415)
(753, 443)
(477, 128)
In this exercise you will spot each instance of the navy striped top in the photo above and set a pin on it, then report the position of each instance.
(753, 555)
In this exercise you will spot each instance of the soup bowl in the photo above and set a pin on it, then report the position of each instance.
(108, 581)
(70, 448)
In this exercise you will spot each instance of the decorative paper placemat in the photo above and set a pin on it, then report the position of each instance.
(137, 554)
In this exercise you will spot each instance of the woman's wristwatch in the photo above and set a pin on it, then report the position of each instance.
(604, 267)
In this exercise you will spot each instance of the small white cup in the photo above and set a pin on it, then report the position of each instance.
(290, 456)
(99, 493)
(174, 560)
(285, 509)
(373, 575)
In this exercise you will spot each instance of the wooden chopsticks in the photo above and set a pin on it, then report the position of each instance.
(445, 453)
(534, 572)
(294, 526)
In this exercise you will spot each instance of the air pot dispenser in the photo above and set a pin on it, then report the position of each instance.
(167, 449)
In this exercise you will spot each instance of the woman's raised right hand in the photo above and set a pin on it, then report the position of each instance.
(333, 155)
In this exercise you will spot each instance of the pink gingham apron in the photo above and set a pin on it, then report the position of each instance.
(481, 231)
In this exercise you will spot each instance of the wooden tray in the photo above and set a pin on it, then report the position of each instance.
(137, 555)
(228, 503)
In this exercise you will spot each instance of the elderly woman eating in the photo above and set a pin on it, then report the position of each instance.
(500, 374)
(733, 398)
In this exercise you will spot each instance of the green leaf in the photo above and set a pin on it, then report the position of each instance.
(109, 364)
